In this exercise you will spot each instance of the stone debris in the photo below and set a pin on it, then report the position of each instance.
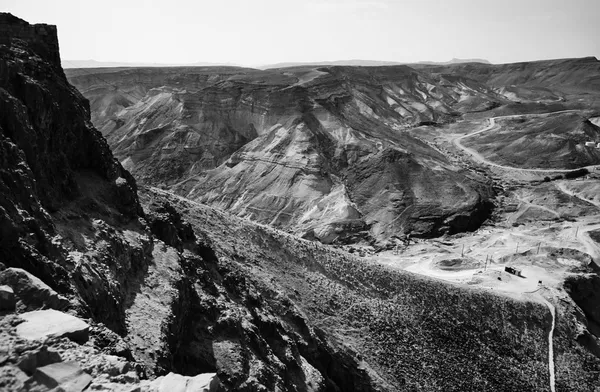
(41, 324)
(12, 378)
(31, 291)
(172, 382)
(7, 298)
(67, 376)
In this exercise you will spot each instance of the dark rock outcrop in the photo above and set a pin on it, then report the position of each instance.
(167, 224)
(31, 291)
(7, 298)
(585, 291)
(46, 145)
(70, 217)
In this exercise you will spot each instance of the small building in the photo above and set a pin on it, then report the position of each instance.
(512, 270)
(590, 144)
(598, 146)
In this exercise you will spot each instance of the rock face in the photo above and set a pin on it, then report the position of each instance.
(67, 376)
(46, 145)
(284, 146)
(153, 291)
(32, 292)
(7, 298)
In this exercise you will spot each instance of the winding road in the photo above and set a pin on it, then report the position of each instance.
(583, 235)
(480, 158)
(550, 344)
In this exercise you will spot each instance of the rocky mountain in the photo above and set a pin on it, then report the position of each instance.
(117, 64)
(319, 151)
(535, 80)
(559, 141)
(354, 63)
(365, 63)
(104, 288)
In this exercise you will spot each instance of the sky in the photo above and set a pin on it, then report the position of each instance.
(258, 32)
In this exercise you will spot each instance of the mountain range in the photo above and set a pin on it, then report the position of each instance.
(363, 63)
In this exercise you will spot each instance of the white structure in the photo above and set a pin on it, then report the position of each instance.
(590, 144)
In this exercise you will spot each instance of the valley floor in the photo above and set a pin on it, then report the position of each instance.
(540, 227)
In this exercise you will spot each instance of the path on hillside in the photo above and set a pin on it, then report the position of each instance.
(592, 248)
(550, 344)
(480, 158)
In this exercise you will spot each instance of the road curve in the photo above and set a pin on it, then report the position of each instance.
(550, 344)
(478, 157)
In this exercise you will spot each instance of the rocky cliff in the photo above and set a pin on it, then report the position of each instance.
(76, 239)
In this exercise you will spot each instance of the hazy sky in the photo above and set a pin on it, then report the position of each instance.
(258, 32)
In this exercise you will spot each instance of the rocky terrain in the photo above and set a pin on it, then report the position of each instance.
(549, 79)
(330, 152)
(319, 151)
(104, 286)
(557, 141)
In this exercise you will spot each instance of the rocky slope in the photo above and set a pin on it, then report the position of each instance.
(73, 231)
(100, 294)
(412, 333)
(282, 146)
(554, 141)
(546, 80)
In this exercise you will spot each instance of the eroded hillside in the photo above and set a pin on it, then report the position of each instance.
(319, 151)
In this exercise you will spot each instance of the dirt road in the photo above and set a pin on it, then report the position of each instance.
(478, 157)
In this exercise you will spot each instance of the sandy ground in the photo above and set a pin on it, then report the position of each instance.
(545, 249)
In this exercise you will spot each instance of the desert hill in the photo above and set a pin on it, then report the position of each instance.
(559, 140)
(565, 75)
(293, 137)
(324, 151)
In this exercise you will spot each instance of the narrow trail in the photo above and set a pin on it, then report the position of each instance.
(480, 158)
(550, 344)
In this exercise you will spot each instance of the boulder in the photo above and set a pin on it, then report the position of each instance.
(7, 298)
(68, 376)
(41, 324)
(31, 360)
(31, 291)
(172, 382)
